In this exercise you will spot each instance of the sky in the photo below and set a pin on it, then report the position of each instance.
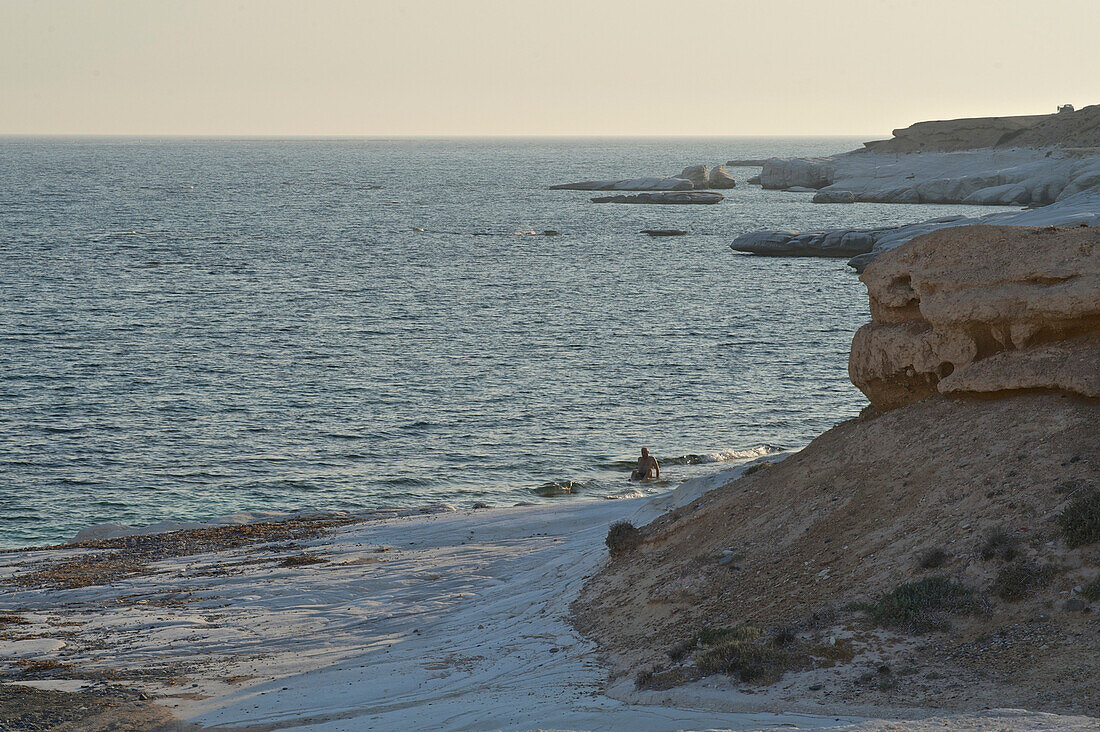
(551, 67)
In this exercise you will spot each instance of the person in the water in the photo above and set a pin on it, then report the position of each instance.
(648, 467)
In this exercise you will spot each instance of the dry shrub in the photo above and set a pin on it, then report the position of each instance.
(932, 559)
(1080, 521)
(623, 537)
(1000, 545)
(1014, 582)
(921, 606)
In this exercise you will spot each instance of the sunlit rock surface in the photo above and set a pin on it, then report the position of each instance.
(982, 309)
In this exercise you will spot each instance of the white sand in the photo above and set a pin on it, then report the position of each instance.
(461, 625)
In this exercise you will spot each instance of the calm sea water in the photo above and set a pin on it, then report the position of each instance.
(194, 327)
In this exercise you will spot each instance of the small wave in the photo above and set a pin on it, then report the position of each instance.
(408, 481)
(628, 493)
(555, 488)
(419, 424)
(721, 456)
(724, 456)
(343, 436)
(518, 232)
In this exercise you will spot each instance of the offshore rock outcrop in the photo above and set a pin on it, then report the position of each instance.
(720, 179)
(693, 177)
(982, 310)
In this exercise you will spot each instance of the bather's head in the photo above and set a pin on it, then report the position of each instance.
(645, 452)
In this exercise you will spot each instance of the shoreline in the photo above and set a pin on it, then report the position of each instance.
(459, 620)
(685, 467)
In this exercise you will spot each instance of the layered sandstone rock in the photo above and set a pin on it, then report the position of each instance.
(982, 310)
(1070, 129)
(956, 134)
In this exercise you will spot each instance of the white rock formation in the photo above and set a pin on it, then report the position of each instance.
(720, 179)
(693, 177)
(1080, 209)
(697, 174)
(1018, 176)
(782, 173)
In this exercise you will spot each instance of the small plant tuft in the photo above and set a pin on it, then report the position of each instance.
(921, 606)
(713, 636)
(1000, 545)
(1080, 521)
(1091, 591)
(623, 537)
(750, 660)
(756, 467)
(662, 680)
(1016, 581)
(932, 559)
(679, 651)
(784, 637)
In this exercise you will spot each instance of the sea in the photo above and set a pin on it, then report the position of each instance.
(195, 327)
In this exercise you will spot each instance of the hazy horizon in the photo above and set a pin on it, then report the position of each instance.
(486, 68)
(383, 137)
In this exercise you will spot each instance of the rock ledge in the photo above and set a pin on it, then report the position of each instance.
(982, 310)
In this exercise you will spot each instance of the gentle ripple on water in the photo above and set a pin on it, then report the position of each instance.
(194, 327)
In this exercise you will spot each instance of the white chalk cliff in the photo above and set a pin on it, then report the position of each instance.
(1048, 162)
(1019, 176)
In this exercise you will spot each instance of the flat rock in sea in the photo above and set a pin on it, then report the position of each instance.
(664, 232)
(829, 243)
(675, 197)
(691, 178)
(746, 163)
(631, 184)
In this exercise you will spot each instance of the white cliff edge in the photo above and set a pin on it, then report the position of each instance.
(863, 245)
